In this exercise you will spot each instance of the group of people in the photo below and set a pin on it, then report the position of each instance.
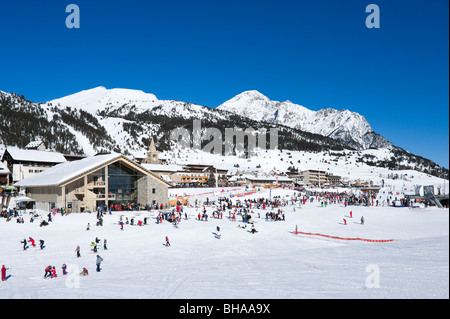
(32, 242)
(351, 216)
(275, 216)
(95, 245)
(131, 221)
(50, 271)
(129, 207)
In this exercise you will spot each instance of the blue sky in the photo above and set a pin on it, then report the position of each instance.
(317, 53)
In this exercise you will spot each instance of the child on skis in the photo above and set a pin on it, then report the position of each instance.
(167, 242)
(98, 262)
(53, 273)
(24, 242)
(4, 273)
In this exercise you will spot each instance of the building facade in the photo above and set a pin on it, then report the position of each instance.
(102, 180)
(25, 163)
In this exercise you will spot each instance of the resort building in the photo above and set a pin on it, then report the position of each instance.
(24, 163)
(92, 182)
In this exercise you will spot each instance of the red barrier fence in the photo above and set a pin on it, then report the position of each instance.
(343, 238)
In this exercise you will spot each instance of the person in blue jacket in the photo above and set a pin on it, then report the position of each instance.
(99, 261)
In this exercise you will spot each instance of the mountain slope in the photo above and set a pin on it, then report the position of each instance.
(125, 121)
(143, 116)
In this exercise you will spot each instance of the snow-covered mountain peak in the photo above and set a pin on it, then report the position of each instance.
(343, 125)
(99, 98)
(251, 104)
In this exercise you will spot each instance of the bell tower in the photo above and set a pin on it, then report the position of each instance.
(152, 154)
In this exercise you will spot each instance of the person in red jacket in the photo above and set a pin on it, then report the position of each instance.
(48, 271)
(53, 272)
(31, 240)
(4, 273)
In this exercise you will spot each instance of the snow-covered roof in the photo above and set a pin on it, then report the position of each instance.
(162, 167)
(3, 169)
(33, 144)
(269, 178)
(19, 154)
(64, 172)
(261, 178)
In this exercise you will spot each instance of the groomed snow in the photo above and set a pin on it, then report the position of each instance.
(274, 263)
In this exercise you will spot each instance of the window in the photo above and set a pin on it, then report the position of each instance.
(153, 190)
(122, 181)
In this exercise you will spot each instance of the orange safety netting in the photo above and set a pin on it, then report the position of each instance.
(343, 238)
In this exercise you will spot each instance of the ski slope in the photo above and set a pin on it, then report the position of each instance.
(273, 263)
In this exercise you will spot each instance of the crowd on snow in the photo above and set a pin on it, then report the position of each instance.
(246, 208)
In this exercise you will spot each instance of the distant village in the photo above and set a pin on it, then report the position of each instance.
(53, 180)
(18, 164)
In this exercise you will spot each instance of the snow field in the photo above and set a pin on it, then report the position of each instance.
(273, 263)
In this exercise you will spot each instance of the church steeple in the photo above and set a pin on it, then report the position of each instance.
(152, 153)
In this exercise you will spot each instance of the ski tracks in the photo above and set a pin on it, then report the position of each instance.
(171, 280)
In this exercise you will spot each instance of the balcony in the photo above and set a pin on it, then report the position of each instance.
(104, 196)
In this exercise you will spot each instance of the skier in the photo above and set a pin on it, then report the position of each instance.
(345, 221)
(99, 261)
(218, 229)
(4, 273)
(362, 220)
(88, 226)
(167, 242)
(104, 244)
(53, 272)
(48, 272)
(64, 267)
(351, 214)
(94, 247)
(24, 242)
(31, 240)
(77, 250)
(41, 244)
